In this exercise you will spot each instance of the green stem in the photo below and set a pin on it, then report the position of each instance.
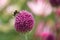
(23, 37)
(26, 37)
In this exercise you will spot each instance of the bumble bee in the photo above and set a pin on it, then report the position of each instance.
(15, 12)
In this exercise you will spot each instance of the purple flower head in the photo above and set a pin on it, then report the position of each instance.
(50, 37)
(55, 2)
(24, 21)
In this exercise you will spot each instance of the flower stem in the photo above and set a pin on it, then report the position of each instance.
(23, 37)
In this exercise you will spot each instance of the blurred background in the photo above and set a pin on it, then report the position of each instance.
(41, 10)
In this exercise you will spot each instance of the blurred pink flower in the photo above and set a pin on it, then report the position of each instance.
(40, 7)
(39, 28)
(44, 31)
(3, 3)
